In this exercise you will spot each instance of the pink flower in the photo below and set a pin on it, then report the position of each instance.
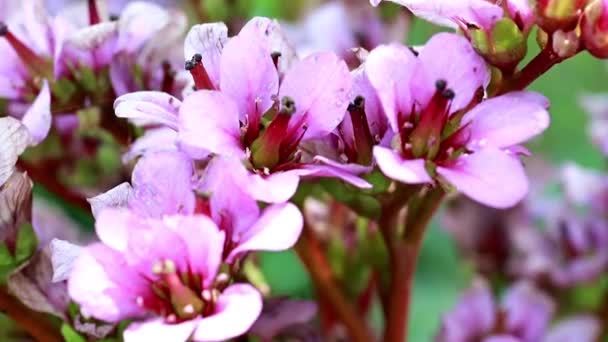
(437, 135)
(243, 117)
(164, 274)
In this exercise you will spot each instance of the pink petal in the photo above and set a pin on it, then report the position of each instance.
(204, 241)
(156, 330)
(277, 187)
(501, 338)
(528, 311)
(409, 171)
(101, 284)
(137, 24)
(450, 57)
(390, 70)
(112, 227)
(209, 120)
(209, 41)
(251, 82)
(328, 168)
(162, 184)
(38, 118)
(277, 229)
(117, 197)
(320, 85)
(506, 120)
(161, 139)
(237, 309)
(489, 176)
(579, 328)
(148, 107)
(121, 75)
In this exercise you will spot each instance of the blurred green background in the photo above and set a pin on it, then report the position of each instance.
(440, 276)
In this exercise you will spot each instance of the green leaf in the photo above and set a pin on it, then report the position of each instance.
(27, 242)
(6, 258)
(70, 335)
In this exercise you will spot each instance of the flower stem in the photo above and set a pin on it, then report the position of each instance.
(35, 323)
(311, 254)
(403, 263)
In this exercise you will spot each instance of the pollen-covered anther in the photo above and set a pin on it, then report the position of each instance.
(288, 105)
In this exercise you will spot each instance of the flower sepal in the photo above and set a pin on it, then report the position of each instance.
(504, 46)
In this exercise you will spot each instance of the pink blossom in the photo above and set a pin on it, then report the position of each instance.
(437, 135)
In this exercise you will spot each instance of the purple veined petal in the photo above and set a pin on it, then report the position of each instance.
(581, 328)
(409, 171)
(38, 118)
(121, 75)
(157, 330)
(209, 41)
(148, 107)
(63, 254)
(448, 12)
(489, 176)
(251, 82)
(14, 138)
(320, 85)
(275, 39)
(209, 120)
(506, 120)
(390, 70)
(473, 316)
(450, 57)
(346, 172)
(204, 241)
(96, 44)
(117, 197)
(237, 309)
(225, 179)
(277, 229)
(138, 22)
(277, 187)
(102, 285)
(154, 140)
(162, 184)
(528, 311)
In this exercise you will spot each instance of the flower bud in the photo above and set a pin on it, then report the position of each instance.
(594, 28)
(521, 13)
(553, 15)
(504, 46)
(565, 44)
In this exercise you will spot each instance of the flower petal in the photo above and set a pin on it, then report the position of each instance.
(277, 187)
(162, 184)
(579, 328)
(450, 57)
(209, 41)
(410, 171)
(148, 107)
(528, 311)
(506, 120)
(117, 197)
(209, 120)
(390, 70)
(156, 330)
(14, 138)
(154, 140)
(277, 229)
(38, 118)
(138, 22)
(237, 309)
(320, 85)
(251, 82)
(325, 167)
(489, 176)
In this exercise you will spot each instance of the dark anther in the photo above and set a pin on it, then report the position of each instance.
(3, 29)
(448, 94)
(288, 105)
(114, 17)
(359, 101)
(197, 58)
(275, 55)
(189, 65)
(441, 84)
(413, 51)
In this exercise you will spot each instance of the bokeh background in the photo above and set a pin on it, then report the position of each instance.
(441, 274)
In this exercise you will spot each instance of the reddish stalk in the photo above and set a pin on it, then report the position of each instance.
(47, 179)
(404, 255)
(311, 254)
(36, 324)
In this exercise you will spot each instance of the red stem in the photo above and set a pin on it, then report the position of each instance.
(311, 254)
(404, 255)
(36, 324)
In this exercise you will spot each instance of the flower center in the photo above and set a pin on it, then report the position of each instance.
(177, 296)
(363, 142)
